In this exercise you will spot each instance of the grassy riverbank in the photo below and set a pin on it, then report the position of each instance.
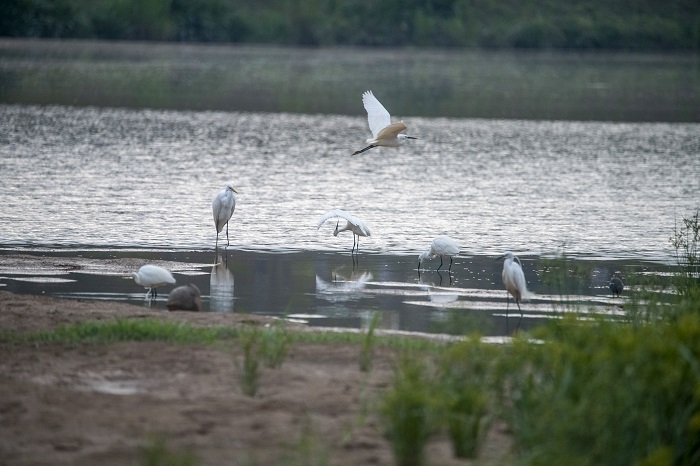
(584, 24)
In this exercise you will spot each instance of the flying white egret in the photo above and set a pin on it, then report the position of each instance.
(616, 286)
(384, 132)
(354, 224)
(185, 298)
(442, 246)
(151, 277)
(514, 280)
(223, 206)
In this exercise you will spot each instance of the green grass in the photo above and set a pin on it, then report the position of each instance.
(107, 332)
(158, 453)
(368, 343)
(124, 330)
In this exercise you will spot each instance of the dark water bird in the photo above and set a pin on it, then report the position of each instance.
(616, 286)
(151, 277)
(384, 132)
(442, 246)
(185, 298)
(354, 224)
(223, 206)
(514, 280)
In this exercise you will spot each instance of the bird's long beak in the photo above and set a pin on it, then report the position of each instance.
(232, 189)
(411, 137)
(500, 257)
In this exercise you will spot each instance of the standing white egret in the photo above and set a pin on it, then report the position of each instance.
(514, 280)
(442, 246)
(384, 132)
(354, 224)
(151, 277)
(223, 206)
(616, 286)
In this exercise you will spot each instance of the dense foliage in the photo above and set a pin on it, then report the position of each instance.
(616, 24)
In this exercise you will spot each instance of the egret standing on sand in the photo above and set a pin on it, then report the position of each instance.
(442, 246)
(353, 224)
(514, 280)
(384, 132)
(223, 206)
(151, 277)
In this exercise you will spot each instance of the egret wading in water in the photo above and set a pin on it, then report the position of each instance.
(354, 224)
(442, 246)
(384, 132)
(514, 280)
(616, 286)
(151, 277)
(223, 206)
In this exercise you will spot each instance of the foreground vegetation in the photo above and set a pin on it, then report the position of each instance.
(583, 24)
(582, 392)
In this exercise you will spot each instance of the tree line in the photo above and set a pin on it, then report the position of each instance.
(574, 24)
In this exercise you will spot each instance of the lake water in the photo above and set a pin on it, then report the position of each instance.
(90, 193)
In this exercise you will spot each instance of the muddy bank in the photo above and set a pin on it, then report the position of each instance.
(100, 404)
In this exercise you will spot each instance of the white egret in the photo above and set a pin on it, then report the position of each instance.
(185, 298)
(514, 280)
(223, 206)
(384, 132)
(151, 277)
(616, 286)
(354, 224)
(442, 246)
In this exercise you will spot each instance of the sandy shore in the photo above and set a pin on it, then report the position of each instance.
(101, 404)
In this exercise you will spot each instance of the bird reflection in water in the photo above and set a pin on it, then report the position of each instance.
(343, 285)
(221, 287)
(436, 279)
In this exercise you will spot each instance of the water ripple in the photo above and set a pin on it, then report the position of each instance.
(146, 178)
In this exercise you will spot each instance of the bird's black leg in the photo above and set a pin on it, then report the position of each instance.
(450, 269)
(438, 269)
(371, 146)
(507, 307)
(227, 243)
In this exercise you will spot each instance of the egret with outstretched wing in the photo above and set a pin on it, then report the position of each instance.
(384, 132)
(354, 224)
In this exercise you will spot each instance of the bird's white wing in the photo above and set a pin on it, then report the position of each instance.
(347, 216)
(377, 116)
(445, 245)
(335, 213)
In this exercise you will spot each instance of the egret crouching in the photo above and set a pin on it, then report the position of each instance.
(616, 286)
(185, 298)
(514, 280)
(384, 132)
(442, 246)
(354, 224)
(223, 206)
(151, 277)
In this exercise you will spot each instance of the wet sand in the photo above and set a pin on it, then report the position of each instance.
(101, 404)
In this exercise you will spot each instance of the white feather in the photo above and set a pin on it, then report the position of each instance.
(358, 226)
(377, 116)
